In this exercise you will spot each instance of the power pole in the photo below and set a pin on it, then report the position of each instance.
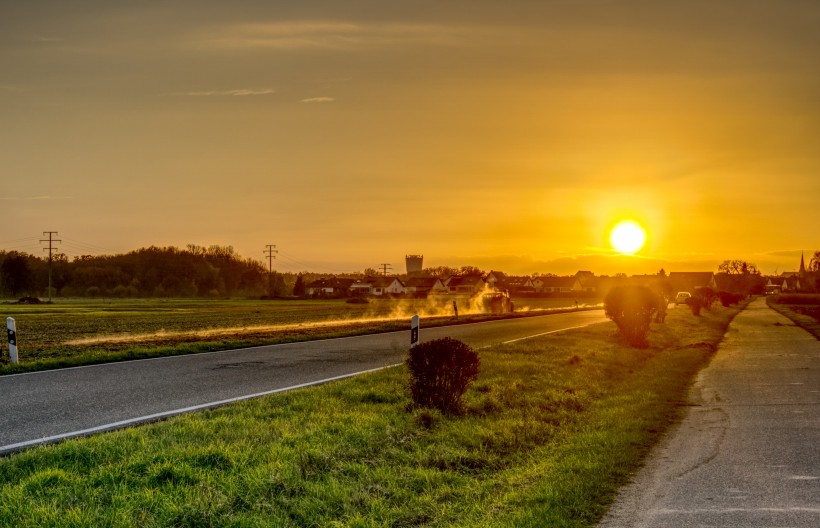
(50, 248)
(385, 268)
(270, 251)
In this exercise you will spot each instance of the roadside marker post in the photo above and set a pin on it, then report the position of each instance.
(414, 330)
(455, 309)
(12, 331)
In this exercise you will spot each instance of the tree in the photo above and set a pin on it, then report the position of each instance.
(738, 267)
(16, 273)
(299, 287)
(814, 263)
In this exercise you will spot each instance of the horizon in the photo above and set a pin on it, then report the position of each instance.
(509, 137)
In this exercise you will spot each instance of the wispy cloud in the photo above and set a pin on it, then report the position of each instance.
(323, 35)
(33, 198)
(243, 92)
(319, 100)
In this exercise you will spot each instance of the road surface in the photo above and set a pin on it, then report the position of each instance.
(53, 405)
(748, 451)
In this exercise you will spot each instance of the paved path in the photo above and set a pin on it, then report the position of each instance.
(52, 405)
(748, 452)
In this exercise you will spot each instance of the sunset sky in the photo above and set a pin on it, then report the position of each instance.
(507, 135)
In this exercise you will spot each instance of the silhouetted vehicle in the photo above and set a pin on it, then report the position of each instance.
(497, 302)
(682, 297)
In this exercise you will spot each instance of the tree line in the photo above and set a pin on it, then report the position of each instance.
(196, 271)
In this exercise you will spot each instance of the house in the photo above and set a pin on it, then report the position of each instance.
(587, 281)
(378, 286)
(424, 286)
(560, 284)
(687, 281)
(387, 286)
(329, 287)
(519, 285)
(496, 279)
(465, 284)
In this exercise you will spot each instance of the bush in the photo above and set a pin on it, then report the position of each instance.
(632, 309)
(440, 372)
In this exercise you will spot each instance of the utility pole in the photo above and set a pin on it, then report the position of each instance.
(50, 248)
(270, 251)
(385, 268)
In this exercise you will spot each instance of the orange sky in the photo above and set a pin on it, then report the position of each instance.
(505, 135)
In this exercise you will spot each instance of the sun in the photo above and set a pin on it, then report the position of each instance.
(627, 237)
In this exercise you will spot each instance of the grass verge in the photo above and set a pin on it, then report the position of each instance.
(803, 309)
(552, 428)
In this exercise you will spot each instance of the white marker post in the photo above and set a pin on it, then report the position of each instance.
(12, 330)
(414, 330)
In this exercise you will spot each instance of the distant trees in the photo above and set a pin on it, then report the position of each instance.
(738, 267)
(814, 262)
(299, 286)
(15, 273)
(147, 272)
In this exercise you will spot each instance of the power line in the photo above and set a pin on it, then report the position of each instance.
(270, 251)
(50, 241)
(385, 268)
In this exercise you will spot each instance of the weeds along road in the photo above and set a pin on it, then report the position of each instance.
(42, 407)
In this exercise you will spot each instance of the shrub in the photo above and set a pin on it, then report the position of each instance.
(440, 372)
(696, 303)
(632, 309)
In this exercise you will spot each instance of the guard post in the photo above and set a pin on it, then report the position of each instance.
(12, 331)
(414, 330)
(455, 309)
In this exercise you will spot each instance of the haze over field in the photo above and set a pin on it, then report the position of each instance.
(504, 135)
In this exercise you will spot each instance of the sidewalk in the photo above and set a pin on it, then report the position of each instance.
(747, 454)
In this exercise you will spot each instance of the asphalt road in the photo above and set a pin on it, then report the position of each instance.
(52, 405)
(748, 451)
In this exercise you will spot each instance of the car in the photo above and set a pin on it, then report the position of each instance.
(682, 297)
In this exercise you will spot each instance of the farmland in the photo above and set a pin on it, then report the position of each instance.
(80, 331)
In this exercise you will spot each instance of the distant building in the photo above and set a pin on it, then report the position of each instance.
(687, 281)
(414, 264)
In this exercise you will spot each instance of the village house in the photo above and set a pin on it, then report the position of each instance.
(377, 286)
(424, 286)
(465, 284)
(330, 287)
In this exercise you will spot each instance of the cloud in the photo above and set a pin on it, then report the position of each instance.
(34, 198)
(319, 100)
(243, 92)
(307, 34)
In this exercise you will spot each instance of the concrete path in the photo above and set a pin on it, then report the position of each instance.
(748, 452)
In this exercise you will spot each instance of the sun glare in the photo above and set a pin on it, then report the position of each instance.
(627, 237)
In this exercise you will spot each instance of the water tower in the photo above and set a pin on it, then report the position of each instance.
(414, 264)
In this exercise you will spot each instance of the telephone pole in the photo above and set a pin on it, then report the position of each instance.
(50, 248)
(385, 268)
(270, 251)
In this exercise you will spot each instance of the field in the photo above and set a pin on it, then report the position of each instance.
(72, 332)
(552, 427)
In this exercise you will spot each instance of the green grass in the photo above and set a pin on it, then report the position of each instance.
(82, 332)
(551, 428)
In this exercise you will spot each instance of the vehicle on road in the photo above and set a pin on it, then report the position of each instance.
(682, 297)
(497, 302)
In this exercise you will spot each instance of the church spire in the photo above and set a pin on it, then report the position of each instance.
(802, 265)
